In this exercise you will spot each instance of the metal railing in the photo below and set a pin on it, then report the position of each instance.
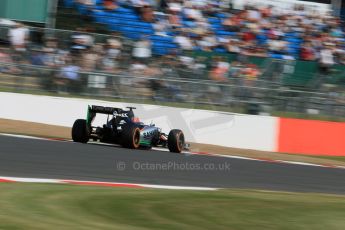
(159, 89)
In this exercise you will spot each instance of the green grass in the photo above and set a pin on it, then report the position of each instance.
(44, 206)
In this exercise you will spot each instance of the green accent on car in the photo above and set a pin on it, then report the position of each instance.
(88, 116)
(143, 142)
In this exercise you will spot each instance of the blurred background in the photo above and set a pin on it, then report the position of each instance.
(274, 57)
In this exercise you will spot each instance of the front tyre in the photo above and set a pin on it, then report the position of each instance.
(80, 131)
(176, 141)
(131, 136)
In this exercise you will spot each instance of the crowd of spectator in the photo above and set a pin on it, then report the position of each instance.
(80, 53)
(257, 31)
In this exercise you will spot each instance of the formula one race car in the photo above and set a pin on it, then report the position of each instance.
(123, 128)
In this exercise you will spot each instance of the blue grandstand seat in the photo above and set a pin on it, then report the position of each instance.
(123, 10)
(217, 27)
(225, 33)
(146, 31)
(220, 50)
(99, 7)
(292, 40)
(161, 38)
(99, 16)
(82, 9)
(129, 23)
(165, 45)
(136, 30)
(262, 39)
(102, 16)
(139, 24)
(69, 3)
(126, 16)
(145, 25)
(160, 51)
(114, 24)
(188, 23)
(171, 33)
(214, 20)
(221, 15)
(135, 36)
(276, 56)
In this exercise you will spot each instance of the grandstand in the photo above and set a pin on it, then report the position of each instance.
(125, 19)
(278, 43)
(211, 54)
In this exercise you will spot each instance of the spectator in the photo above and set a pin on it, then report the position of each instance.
(53, 56)
(4, 55)
(184, 41)
(114, 47)
(147, 13)
(277, 45)
(18, 37)
(81, 41)
(142, 50)
(110, 61)
(307, 52)
(326, 58)
(233, 46)
(220, 70)
(5, 58)
(250, 73)
(191, 12)
(163, 5)
(138, 5)
(89, 3)
(208, 42)
(68, 79)
(89, 59)
(161, 24)
(137, 68)
(253, 15)
(219, 73)
(37, 57)
(232, 23)
(174, 18)
(110, 5)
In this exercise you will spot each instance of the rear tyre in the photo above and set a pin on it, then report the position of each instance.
(176, 141)
(131, 136)
(80, 131)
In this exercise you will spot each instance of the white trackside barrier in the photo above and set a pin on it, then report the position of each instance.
(209, 127)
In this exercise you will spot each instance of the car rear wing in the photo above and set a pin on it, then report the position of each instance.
(94, 109)
(103, 110)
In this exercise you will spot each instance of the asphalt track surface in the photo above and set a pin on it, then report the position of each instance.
(66, 160)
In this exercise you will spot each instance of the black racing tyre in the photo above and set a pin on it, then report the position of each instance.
(176, 141)
(80, 131)
(130, 137)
